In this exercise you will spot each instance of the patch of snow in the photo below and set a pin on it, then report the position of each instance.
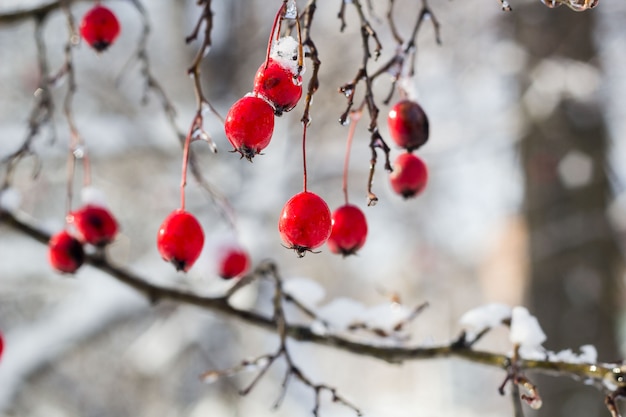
(305, 290)
(342, 312)
(525, 329)
(285, 52)
(484, 317)
(10, 199)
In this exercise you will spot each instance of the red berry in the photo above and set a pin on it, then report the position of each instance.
(180, 239)
(278, 85)
(249, 125)
(349, 230)
(1, 345)
(305, 222)
(409, 175)
(99, 28)
(94, 225)
(408, 125)
(65, 252)
(233, 261)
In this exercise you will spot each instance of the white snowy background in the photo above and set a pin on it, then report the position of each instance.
(89, 346)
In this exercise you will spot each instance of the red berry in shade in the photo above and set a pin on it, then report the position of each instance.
(408, 125)
(349, 230)
(99, 28)
(233, 261)
(409, 176)
(94, 224)
(278, 85)
(305, 222)
(180, 239)
(65, 252)
(249, 125)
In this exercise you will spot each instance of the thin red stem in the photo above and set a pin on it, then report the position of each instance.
(304, 155)
(355, 116)
(275, 29)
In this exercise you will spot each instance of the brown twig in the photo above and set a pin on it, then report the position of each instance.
(598, 372)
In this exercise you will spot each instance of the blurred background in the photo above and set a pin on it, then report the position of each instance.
(526, 205)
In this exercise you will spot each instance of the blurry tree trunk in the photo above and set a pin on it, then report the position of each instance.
(574, 287)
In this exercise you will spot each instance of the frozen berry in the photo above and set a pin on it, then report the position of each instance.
(249, 125)
(349, 230)
(180, 239)
(408, 125)
(409, 175)
(94, 224)
(278, 85)
(305, 222)
(99, 28)
(232, 261)
(65, 252)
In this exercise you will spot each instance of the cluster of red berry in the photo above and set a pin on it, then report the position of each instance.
(277, 88)
(93, 225)
(408, 127)
(306, 222)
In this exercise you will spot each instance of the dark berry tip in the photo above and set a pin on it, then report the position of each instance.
(101, 45)
(180, 265)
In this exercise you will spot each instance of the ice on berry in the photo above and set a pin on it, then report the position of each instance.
(10, 199)
(306, 291)
(285, 52)
(484, 317)
(525, 329)
(93, 196)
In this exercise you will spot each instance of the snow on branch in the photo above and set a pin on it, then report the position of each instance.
(607, 377)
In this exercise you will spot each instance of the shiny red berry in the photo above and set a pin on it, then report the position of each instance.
(305, 222)
(99, 28)
(249, 125)
(408, 125)
(65, 252)
(409, 176)
(94, 225)
(278, 85)
(180, 239)
(349, 230)
(232, 261)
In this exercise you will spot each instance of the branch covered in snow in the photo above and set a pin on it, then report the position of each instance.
(608, 377)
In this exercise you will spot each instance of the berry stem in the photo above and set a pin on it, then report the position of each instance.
(304, 127)
(197, 121)
(355, 116)
(275, 30)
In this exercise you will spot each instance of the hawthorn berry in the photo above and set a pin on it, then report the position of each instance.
(349, 230)
(249, 125)
(180, 239)
(94, 224)
(278, 85)
(409, 176)
(232, 261)
(99, 28)
(65, 252)
(408, 125)
(305, 222)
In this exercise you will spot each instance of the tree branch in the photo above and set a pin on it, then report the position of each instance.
(599, 373)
